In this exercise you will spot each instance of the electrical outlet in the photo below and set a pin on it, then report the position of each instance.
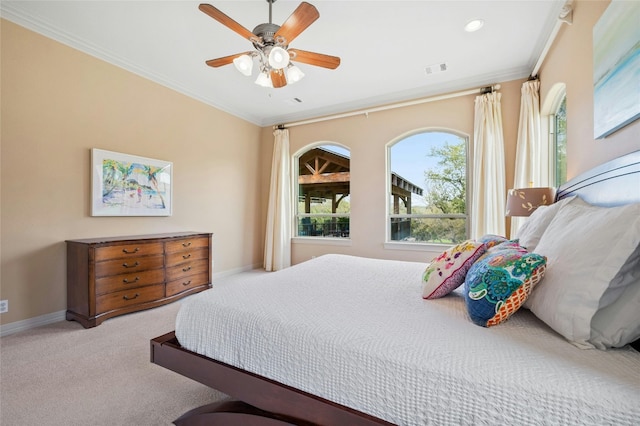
(4, 306)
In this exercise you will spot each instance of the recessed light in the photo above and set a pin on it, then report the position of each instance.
(473, 25)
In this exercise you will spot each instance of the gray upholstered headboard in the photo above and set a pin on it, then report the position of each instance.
(613, 183)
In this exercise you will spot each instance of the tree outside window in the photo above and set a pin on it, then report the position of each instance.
(428, 196)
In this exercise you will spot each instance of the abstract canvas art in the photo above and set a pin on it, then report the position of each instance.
(616, 67)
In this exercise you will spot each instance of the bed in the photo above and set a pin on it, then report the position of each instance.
(344, 340)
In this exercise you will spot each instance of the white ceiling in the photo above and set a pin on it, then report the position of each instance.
(384, 46)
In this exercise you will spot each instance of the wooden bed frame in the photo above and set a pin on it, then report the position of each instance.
(261, 401)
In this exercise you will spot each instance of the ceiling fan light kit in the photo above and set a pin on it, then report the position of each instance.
(263, 80)
(294, 74)
(278, 58)
(271, 42)
(244, 64)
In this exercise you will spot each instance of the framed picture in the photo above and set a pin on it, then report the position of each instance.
(616, 67)
(128, 185)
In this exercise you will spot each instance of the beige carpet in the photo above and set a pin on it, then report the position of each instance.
(63, 374)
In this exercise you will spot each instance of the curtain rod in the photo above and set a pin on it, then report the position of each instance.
(366, 112)
(565, 17)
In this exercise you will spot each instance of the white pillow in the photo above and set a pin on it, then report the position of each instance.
(617, 320)
(531, 231)
(586, 247)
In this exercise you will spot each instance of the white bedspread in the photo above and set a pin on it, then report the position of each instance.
(356, 331)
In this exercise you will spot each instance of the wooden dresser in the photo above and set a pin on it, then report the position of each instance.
(112, 276)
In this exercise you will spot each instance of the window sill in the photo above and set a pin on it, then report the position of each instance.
(416, 246)
(345, 242)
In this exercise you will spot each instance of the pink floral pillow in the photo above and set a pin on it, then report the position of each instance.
(446, 272)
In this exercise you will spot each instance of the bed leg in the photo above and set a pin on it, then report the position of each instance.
(231, 412)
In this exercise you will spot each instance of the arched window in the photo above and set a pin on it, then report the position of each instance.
(427, 188)
(323, 192)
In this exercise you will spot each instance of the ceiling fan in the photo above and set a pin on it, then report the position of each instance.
(271, 43)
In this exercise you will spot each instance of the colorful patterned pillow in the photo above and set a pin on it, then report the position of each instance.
(498, 284)
(446, 272)
(491, 240)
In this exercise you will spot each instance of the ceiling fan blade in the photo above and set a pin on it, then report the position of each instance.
(312, 58)
(278, 78)
(304, 15)
(226, 21)
(226, 60)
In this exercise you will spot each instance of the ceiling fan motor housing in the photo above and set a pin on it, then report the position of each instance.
(267, 32)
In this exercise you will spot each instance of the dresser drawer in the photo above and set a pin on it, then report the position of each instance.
(186, 269)
(188, 255)
(129, 281)
(178, 286)
(187, 244)
(127, 250)
(129, 265)
(122, 299)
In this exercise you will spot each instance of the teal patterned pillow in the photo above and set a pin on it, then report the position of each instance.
(498, 283)
(491, 240)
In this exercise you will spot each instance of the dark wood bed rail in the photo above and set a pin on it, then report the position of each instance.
(261, 401)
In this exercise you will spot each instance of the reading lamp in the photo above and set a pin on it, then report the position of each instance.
(524, 201)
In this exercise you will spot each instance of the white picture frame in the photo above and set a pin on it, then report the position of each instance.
(130, 185)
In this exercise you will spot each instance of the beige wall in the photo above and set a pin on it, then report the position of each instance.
(57, 104)
(367, 137)
(570, 61)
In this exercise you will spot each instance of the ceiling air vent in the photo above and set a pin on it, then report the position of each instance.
(433, 69)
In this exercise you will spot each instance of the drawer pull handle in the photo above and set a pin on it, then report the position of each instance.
(126, 265)
(186, 283)
(125, 297)
(188, 268)
(126, 280)
(137, 249)
(186, 244)
(186, 256)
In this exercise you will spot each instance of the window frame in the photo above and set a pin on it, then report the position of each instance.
(556, 95)
(422, 246)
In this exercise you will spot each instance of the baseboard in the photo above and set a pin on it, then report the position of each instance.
(229, 272)
(15, 327)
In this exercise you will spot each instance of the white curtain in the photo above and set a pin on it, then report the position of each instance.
(277, 245)
(532, 154)
(488, 184)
